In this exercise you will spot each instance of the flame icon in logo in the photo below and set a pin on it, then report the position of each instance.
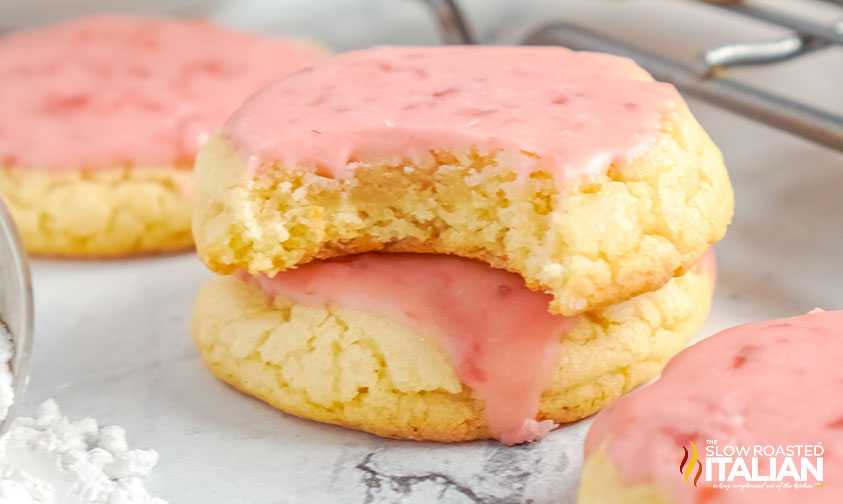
(686, 467)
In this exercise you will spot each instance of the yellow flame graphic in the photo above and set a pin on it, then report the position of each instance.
(686, 467)
(690, 467)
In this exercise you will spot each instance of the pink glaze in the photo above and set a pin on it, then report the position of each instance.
(771, 383)
(538, 108)
(497, 334)
(107, 90)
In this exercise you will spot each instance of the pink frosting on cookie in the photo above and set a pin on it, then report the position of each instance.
(496, 332)
(108, 90)
(769, 383)
(539, 108)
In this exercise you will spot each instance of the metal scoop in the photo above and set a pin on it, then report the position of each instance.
(15, 308)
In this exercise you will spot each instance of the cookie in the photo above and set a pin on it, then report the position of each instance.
(749, 415)
(103, 116)
(574, 170)
(434, 347)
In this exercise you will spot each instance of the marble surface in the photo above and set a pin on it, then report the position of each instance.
(112, 338)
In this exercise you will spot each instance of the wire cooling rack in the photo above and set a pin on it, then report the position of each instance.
(706, 79)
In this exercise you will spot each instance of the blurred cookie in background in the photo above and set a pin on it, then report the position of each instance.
(103, 116)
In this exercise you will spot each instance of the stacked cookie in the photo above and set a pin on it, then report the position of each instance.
(455, 243)
(102, 118)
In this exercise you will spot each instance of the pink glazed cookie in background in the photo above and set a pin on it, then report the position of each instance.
(102, 118)
(751, 415)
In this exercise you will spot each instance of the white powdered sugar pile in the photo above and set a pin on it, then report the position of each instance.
(50, 459)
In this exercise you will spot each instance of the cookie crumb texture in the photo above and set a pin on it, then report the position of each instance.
(105, 212)
(606, 239)
(369, 373)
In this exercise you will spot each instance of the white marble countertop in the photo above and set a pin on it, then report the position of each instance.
(112, 338)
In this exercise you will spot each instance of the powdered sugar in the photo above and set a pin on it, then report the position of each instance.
(50, 459)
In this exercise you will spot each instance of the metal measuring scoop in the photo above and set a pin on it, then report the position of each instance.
(15, 308)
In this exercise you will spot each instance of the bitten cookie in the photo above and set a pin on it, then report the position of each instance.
(750, 415)
(435, 347)
(102, 118)
(574, 170)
